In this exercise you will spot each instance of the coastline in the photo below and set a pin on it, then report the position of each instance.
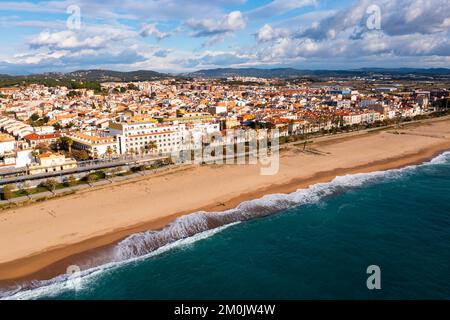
(53, 261)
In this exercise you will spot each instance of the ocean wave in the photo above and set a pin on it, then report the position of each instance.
(198, 225)
(62, 283)
(186, 226)
(189, 225)
(443, 158)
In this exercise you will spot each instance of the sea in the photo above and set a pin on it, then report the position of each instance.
(315, 243)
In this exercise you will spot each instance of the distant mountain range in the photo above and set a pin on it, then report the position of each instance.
(246, 72)
(145, 75)
(292, 73)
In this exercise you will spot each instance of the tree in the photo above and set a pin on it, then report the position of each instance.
(43, 147)
(80, 155)
(73, 93)
(66, 143)
(109, 151)
(34, 117)
(70, 181)
(142, 167)
(34, 154)
(50, 184)
(152, 146)
(132, 86)
(91, 177)
(69, 144)
(8, 191)
(24, 187)
(168, 161)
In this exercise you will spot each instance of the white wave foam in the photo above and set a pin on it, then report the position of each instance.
(140, 244)
(440, 159)
(60, 284)
(197, 226)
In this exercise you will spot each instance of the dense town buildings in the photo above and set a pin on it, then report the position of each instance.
(39, 123)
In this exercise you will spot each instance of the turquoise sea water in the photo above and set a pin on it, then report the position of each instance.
(318, 246)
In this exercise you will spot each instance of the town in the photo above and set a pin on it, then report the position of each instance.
(49, 131)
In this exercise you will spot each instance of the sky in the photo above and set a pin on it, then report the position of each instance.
(186, 35)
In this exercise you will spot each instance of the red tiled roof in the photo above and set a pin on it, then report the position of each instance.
(35, 136)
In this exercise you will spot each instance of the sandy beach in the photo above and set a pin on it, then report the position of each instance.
(42, 239)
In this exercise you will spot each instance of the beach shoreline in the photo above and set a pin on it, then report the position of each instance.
(53, 261)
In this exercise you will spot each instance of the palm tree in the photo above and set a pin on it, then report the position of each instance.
(34, 154)
(109, 151)
(152, 146)
(66, 142)
(69, 143)
(336, 121)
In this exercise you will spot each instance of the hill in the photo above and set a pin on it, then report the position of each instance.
(115, 76)
(80, 78)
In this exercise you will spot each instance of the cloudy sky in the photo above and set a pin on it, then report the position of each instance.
(185, 35)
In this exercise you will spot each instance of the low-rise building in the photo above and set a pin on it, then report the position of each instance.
(97, 145)
(34, 139)
(51, 162)
(7, 143)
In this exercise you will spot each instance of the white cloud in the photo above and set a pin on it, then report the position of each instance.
(38, 57)
(89, 36)
(48, 60)
(152, 30)
(227, 24)
(368, 45)
(157, 10)
(268, 33)
(398, 17)
(66, 40)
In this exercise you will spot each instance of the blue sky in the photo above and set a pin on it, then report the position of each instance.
(182, 35)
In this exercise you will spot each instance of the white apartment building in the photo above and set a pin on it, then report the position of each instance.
(195, 131)
(358, 118)
(350, 119)
(137, 137)
(370, 117)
